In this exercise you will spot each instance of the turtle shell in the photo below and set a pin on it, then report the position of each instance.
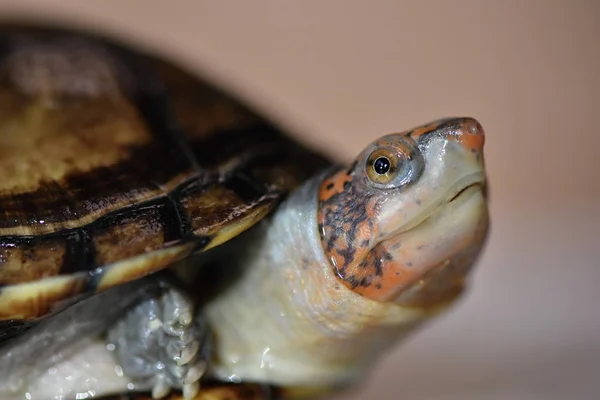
(115, 164)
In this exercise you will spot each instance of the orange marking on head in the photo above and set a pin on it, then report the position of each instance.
(333, 185)
(415, 133)
(466, 131)
(389, 275)
(471, 135)
(362, 208)
(341, 216)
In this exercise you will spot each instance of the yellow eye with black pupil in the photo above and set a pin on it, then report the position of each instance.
(393, 166)
(381, 167)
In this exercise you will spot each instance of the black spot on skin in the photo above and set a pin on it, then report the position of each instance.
(351, 279)
(365, 281)
(364, 243)
(396, 246)
(420, 247)
(352, 168)
(418, 201)
(330, 186)
(348, 255)
(305, 264)
(386, 256)
(378, 265)
(347, 185)
(409, 264)
(378, 286)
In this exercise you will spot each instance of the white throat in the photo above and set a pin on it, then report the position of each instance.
(289, 320)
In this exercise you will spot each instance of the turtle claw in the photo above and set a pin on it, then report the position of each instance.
(190, 390)
(161, 344)
(195, 373)
(178, 313)
(161, 388)
(188, 353)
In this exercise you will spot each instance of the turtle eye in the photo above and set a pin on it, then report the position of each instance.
(388, 168)
(382, 166)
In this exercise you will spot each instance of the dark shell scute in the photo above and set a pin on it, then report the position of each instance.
(116, 164)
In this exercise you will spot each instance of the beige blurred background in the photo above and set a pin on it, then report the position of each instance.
(340, 73)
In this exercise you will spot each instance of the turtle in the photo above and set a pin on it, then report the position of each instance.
(162, 238)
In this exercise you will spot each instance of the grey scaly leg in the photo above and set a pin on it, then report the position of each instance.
(162, 343)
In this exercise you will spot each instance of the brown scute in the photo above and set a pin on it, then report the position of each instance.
(30, 261)
(262, 179)
(130, 161)
(102, 126)
(288, 167)
(209, 210)
(67, 160)
(61, 67)
(128, 269)
(200, 108)
(285, 177)
(32, 300)
(224, 150)
(138, 232)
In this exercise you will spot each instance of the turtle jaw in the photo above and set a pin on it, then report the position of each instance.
(443, 249)
(433, 240)
(454, 193)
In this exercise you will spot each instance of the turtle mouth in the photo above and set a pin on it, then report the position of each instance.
(424, 263)
(463, 186)
(456, 227)
(459, 191)
(463, 190)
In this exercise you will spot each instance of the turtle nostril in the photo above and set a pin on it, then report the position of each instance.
(475, 128)
(471, 134)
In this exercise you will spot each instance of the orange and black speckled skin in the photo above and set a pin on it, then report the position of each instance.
(346, 223)
(348, 213)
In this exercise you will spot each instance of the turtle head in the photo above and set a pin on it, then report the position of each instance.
(407, 220)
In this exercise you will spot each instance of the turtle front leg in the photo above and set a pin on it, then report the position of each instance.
(162, 344)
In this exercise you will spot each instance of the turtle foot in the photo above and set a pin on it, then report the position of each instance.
(162, 344)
